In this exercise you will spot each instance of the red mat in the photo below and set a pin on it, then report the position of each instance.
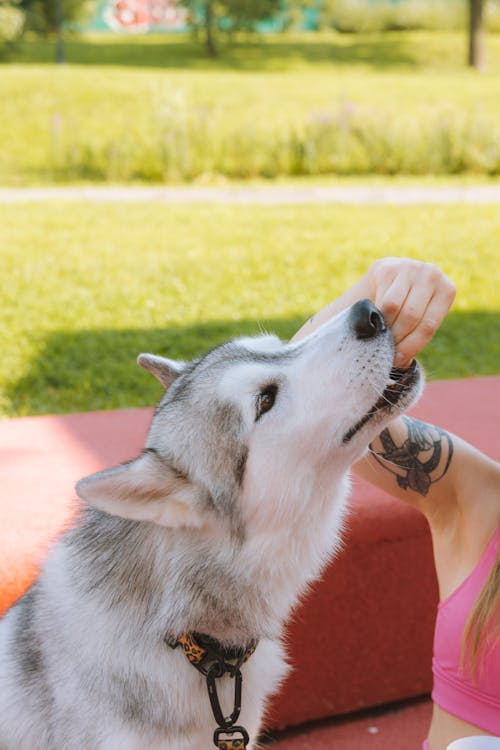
(41, 458)
(400, 728)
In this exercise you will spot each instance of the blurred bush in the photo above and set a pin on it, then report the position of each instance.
(385, 15)
(12, 19)
(493, 16)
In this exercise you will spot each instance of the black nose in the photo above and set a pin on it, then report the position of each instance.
(367, 321)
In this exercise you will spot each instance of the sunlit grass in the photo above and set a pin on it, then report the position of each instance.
(86, 287)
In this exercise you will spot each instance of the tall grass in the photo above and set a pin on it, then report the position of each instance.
(184, 142)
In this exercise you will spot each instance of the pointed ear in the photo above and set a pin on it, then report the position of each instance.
(145, 489)
(166, 370)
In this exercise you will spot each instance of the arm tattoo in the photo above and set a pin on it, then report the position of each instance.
(422, 459)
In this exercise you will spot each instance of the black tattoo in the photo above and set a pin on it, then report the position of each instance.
(423, 458)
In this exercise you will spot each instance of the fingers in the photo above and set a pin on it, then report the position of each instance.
(411, 344)
(413, 310)
(394, 302)
(414, 298)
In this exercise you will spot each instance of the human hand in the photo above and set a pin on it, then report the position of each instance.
(414, 298)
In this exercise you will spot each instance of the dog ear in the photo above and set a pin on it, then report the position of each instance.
(145, 489)
(166, 370)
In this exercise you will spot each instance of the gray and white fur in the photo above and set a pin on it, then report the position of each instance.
(234, 506)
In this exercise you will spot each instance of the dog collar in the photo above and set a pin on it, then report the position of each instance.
(213, 660)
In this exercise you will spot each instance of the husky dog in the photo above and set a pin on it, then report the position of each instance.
(232, 508)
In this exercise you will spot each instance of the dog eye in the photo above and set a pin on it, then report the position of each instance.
(265, 400)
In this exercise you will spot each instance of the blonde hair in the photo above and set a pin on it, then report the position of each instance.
(483, 625)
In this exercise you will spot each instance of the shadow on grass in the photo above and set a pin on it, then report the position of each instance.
(92, 370)
(379, 51)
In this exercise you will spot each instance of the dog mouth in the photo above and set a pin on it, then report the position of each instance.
(400, 383)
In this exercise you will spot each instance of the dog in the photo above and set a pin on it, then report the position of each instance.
(214, 531)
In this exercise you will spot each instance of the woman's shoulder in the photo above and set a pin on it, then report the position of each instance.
(477, 489)
(463, 528)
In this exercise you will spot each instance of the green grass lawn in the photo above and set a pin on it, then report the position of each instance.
(87, 287)
(154, 108)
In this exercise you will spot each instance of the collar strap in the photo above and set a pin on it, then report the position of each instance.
(213, 660)
(203, 651)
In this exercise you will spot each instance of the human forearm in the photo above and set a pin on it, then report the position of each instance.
(433, 470)
(411, 460)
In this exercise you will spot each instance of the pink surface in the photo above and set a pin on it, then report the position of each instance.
(362, 637)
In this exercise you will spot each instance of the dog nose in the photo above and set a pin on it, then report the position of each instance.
(367, 321)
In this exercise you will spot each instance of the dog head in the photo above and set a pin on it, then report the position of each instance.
(256, 427)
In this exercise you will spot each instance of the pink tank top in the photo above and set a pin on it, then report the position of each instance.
(473, 699)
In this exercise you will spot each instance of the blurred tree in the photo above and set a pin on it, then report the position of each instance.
(47, 16)
(212, 17)
(475, 56)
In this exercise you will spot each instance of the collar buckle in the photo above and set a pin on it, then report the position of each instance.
(231, 743)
